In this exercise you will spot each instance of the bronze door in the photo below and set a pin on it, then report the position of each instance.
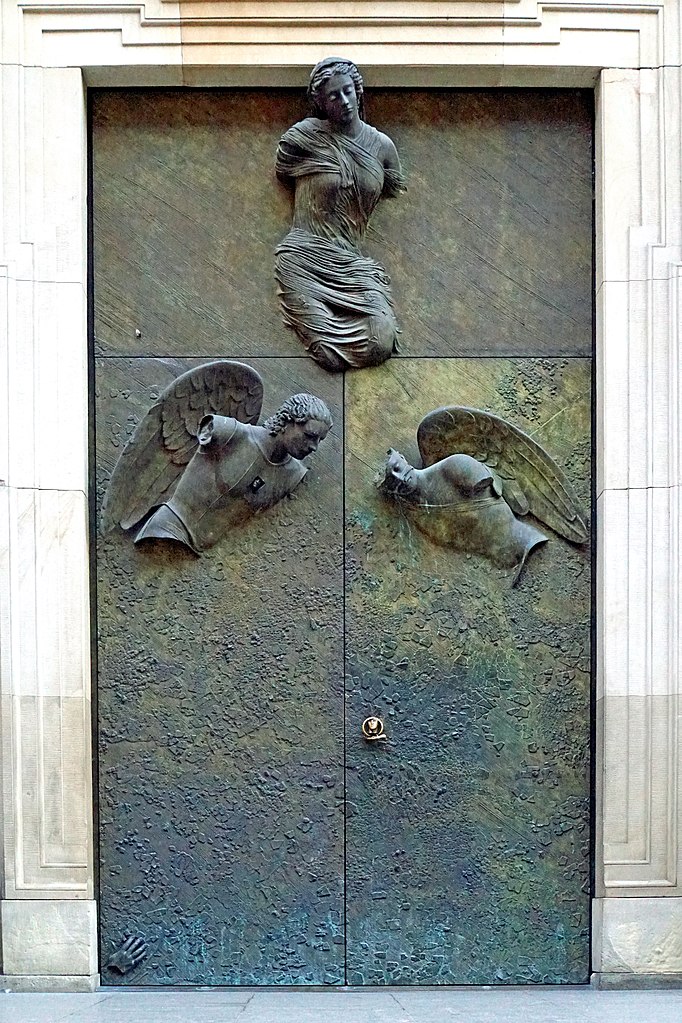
(467, 831)
(249, 832)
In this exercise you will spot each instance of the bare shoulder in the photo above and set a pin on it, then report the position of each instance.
(389, 153)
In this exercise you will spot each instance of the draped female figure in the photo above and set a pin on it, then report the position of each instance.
(336, 300)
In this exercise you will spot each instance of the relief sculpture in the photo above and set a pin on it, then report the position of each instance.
(199, 462)
(480, 477)
(336, 300)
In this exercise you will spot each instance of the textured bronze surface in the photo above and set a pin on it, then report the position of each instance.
(131, 953)
(468, 836)
(220, 699)
(336, 300)
(220, 680)
(489, 251)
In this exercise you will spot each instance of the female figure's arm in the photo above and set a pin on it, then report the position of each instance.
(394, 179)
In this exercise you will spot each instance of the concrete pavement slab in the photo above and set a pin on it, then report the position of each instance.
(378, 1005)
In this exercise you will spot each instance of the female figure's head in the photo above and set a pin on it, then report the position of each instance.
(336, 68)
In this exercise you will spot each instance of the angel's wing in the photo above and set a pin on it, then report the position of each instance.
(528, 478)
(165, 440)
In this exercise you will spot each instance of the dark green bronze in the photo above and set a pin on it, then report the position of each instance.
(220, 706)
(240, 786)
(468, 829)
(490, 252)
(480, 476)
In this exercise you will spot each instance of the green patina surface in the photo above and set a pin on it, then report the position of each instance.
(468, 832)
(220, 691)
(222, 735)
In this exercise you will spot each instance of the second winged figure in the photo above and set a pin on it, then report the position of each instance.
(199, 462)
(480, 477)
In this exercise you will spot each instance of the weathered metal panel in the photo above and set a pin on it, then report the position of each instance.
(220, 704)
(489, 251)
(468, 829)
(220, 679)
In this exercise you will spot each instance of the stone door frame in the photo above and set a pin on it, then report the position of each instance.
(51, 52)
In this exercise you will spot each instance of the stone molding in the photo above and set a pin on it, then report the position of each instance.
(632, 53)
(186, 39)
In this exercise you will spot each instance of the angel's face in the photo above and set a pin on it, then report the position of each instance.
(301, 439)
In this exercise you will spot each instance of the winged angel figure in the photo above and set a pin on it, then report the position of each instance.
(479, 473)
(201, 464)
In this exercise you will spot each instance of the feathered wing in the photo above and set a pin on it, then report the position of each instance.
(165, 440)
(527, 477)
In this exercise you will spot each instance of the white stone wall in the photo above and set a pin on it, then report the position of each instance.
(50, 52)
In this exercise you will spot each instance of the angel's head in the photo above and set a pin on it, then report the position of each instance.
(300, 424)
(399, 478)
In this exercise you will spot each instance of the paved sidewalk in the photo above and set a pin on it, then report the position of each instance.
(398, 1005)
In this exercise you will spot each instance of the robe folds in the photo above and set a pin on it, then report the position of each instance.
(336, 300)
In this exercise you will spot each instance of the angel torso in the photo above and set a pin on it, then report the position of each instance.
(227, 480)
(455, 504)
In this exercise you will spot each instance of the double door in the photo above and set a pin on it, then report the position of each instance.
(249, 831)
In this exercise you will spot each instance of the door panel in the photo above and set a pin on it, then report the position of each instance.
(221, 722)
(489, 251)
(224, 810)
(468, 828)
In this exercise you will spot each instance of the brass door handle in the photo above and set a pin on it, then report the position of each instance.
(373, 729)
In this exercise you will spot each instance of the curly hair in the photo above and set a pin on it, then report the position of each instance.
(325, 70)
(299, 408)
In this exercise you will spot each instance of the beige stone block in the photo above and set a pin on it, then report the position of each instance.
(598, 823)
(10, 35)
(358, 11)
(53, 193)
(104, 35)
(52, 938)
(671, 89)
(10, 127)
(45, 382)
(637, 935)
(581, 35)
(671, 55)
(628, 144)
(641, 761)
(45, 675)
(547, 77)
(374, 76)
(343, 36)
(638, 382)
(638, 568)
(612, 368)
(364, 48)
(50, 985)
(136, 76)
(613, 572)
(44, 619)
(48, 805)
